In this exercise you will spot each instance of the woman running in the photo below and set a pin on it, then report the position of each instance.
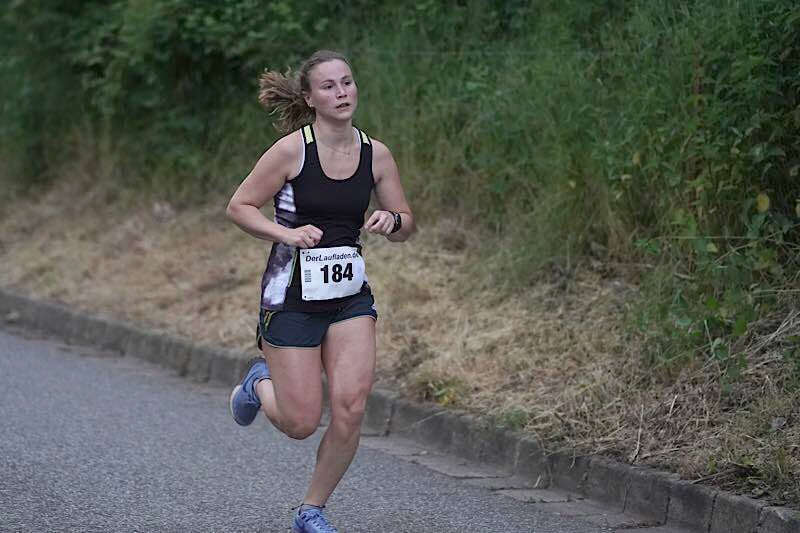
(317, 310)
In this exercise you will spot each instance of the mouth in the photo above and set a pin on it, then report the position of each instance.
(344, 105)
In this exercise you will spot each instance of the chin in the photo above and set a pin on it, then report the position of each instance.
(341, 116)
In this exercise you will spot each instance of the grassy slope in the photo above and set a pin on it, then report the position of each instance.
(554, 359)
(631, 135)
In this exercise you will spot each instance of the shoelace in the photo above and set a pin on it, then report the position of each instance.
(318, 520)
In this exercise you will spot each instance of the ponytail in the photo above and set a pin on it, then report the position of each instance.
(282, 94)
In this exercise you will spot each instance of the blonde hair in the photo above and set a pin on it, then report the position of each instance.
(283, 94)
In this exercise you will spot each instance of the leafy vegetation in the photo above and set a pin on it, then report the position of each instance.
(659, 134)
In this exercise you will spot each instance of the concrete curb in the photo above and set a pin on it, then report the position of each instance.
(659, 497)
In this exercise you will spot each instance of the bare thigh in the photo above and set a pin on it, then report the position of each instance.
(297, 380)
(348, 354)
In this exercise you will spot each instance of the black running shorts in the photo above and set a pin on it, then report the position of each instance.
(291, 329)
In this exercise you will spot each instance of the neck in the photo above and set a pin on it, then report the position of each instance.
(334, 134)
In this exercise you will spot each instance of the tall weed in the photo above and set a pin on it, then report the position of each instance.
(654, 132)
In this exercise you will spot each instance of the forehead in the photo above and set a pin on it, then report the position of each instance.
(335, 69)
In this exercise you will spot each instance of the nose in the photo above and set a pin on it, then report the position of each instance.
(340, 91)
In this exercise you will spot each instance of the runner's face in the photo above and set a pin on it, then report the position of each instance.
(333, 90)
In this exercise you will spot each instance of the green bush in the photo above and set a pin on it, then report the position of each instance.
(658, 132)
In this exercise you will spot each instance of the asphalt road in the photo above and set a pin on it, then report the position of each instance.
(90, 441)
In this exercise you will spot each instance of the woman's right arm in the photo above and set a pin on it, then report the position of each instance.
(261, 185)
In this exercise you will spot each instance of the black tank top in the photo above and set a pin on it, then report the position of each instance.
(335, 206)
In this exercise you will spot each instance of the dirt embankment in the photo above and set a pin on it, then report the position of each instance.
(554, 359)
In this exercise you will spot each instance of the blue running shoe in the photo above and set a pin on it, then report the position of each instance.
(312, 520)
(244, 402)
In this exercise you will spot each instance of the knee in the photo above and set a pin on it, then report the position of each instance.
(301, 428)
(349, 408)
(303, 422)
(299, 418)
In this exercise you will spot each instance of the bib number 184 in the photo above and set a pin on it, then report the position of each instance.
(331, 272)
(337, 273)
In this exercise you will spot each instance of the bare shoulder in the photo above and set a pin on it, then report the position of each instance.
(288, 146)
(281, 158)
(383, 163)
(379, 150)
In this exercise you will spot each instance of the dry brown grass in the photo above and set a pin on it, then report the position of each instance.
(553, 359)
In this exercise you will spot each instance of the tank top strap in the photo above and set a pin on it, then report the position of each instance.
(308, 134)
(311, 154)
(366, 152)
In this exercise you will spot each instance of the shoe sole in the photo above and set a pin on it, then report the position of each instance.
(230, 403)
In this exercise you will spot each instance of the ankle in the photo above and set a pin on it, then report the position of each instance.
(255, 388)
(307, 506)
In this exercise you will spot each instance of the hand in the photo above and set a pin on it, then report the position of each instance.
(380, 222)
(306, 236)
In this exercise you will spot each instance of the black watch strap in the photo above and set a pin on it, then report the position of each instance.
(398, 221)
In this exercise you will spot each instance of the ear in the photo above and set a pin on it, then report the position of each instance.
(307, 98)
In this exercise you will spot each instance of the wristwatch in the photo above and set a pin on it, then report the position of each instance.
(398, 221)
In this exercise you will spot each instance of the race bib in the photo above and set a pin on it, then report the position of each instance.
(328, 273)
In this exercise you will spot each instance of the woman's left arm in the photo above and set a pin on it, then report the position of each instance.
(390, 196)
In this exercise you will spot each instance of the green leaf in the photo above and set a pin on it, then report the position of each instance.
(740, 326)
(762, 202)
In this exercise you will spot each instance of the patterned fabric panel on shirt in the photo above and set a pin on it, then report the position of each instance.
(280, 263)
